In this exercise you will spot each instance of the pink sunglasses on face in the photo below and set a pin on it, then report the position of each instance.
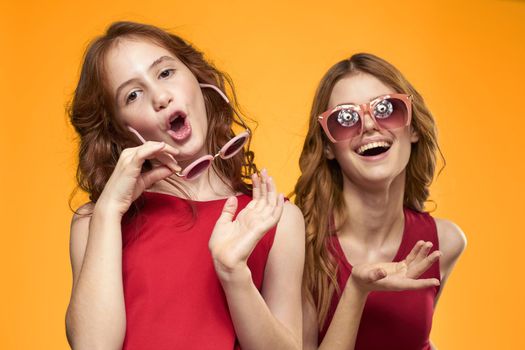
(343, 122)
(227, 151)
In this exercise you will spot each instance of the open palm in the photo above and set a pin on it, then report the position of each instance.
(396, 276)
(232, 241)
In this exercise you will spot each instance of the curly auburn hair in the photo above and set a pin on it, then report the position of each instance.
(102, 138)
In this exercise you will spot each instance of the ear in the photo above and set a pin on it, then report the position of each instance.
(414, 135)
(329, 152)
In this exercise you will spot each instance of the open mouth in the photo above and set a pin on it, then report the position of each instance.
(180, 128)
(373, 148)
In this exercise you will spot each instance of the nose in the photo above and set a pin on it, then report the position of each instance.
(369, 123)
(161, 99)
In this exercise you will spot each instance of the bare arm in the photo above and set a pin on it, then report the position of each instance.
(96, 318)
(342, 331)
(452, 242)
(96, 315)
(271, 320)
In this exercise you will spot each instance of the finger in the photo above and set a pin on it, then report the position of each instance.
(392, 267)
(168, 160)
(256, 191)
(415, 250)
(417, 269)
(228, 211)
(264, 186)
(423, 252)
(149, 150)
(398, 284)
(151, 177)
(272, 192)
(375, 275)
(411, 284)
(146, 151)
(166, 157)
(260, 204)
(171, 150)
(269, 206)
(278, 209)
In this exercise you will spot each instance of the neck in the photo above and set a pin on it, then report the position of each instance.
(374, 213)
(207, 186)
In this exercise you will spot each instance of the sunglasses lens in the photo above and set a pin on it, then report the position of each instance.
(198, 169)
(231, 149)
(344, 124)
(391, 113)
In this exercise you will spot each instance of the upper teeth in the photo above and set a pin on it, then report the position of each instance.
(370, 145)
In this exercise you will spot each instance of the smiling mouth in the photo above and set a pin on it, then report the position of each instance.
(373, 148)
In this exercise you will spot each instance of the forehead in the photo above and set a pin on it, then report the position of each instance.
(357, 88)
(131, 57)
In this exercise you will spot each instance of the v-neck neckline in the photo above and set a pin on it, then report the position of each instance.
(344, 258)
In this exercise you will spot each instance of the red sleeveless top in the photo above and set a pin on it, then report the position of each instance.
(393, 320)
(173, 297)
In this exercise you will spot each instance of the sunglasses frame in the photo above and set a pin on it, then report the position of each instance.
(208, 158)
(362, 109)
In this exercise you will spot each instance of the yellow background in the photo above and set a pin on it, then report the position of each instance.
(466, 59)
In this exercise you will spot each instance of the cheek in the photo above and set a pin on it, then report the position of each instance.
(343, 156)
(138, 119)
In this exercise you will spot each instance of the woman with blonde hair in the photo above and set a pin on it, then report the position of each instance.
(376, 262)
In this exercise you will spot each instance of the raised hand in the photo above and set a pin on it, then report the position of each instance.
(396, 276)
(232, 241)
(127, 182)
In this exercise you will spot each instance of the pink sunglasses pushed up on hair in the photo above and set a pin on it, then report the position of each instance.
(230, 149)
(345, 121)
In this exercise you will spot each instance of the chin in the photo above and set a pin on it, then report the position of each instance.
(192, 149)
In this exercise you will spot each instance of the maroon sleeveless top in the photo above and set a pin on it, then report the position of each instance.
(173, 297)
(393, 320)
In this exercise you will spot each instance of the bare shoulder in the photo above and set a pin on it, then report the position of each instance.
(452, 242)
(292, 215)
(82, 213)
(81, 219)
(452, 239)
(291, 225)
(287, 252)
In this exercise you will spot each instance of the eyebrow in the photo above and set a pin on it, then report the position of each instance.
(153, 65)
(357, 104)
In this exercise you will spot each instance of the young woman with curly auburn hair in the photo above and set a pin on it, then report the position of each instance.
(172, 250)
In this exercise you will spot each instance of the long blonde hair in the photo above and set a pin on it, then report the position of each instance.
(319, 188)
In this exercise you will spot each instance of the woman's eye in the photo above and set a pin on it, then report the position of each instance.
(347, 117)
(383, 109)
(132, 96)
(166, 73)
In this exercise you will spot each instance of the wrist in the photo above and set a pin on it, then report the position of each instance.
(104, 209)
(352, 286)
(236, 277)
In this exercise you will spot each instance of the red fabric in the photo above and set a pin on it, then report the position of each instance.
(394, 320)
(173, 297)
